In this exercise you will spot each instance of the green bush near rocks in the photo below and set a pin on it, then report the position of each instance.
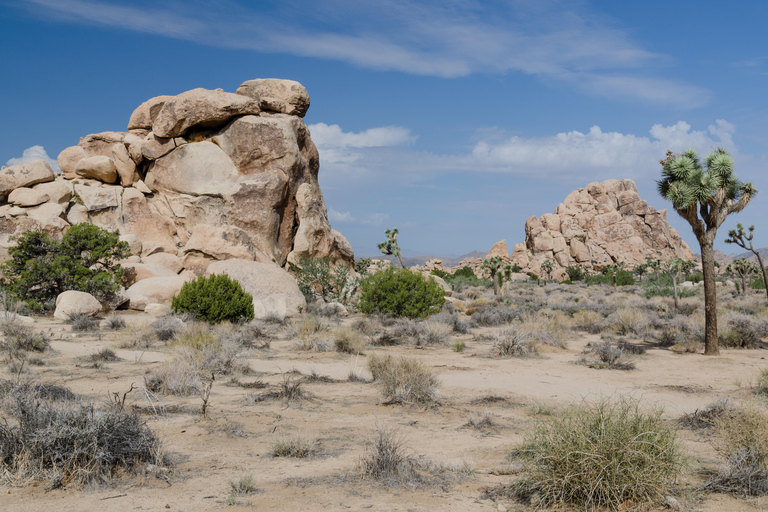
(214, 299)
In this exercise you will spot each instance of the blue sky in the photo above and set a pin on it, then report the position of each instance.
(454, 120)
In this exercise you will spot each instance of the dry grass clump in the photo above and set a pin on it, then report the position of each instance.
(21, 337)
(743, 441)
(547, 326)
(601, 454)
(589, 321)
(348, 340)
(432, 332)
(310, 330)
(626, 321)
(491, 315)
(140, 336)
(82, 322)
(513, 341)
(115, 323)
(482, 422)
(244, 335)
(105, 355)
(452, 319)
(606, 355)
(404, 380)
(705, 418)
(167, 327)
(195, 335)
(63, 442)
(387, 463)
(742, 331)
(297, 446)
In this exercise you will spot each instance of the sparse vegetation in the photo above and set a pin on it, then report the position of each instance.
(400, 292)
(404, 380)
(295, 446)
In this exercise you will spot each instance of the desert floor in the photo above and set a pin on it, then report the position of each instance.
(237, 436)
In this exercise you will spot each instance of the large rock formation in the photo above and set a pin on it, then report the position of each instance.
(205, 175)
(596, 226)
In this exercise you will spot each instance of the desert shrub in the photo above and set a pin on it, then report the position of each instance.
(494, 315)
(243, 486)
(82, 322)
(64, 442)
(85, 259)
(742, 331)
(575, 273)
(465, 278)
(319, 278)
(404, 380)
(115, 323)
(105, 355)
(452, 319)
(482, 421)
(136, 336)
(387, 462)
(400, 292)
(547, 326)
(311, 330)
(214, 299)
(513, 341)
(589, 321)
(606, 355)
(21, 337)
(432, 332)
(348, 340)
(743, 442)
(167, 327)
(705, 418)
(296, 446)
(195, 335)
(601, 454)
(629, 321)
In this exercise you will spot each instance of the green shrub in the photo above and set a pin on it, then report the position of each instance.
(602, 454)
(624, 278)
(575, 273)
(757, 284)
(85, 259)
(214, 299)
(400, 292)
(696, 277)
(317, 277)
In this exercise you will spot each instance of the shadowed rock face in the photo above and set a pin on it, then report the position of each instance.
(203, 175)
(596, 226)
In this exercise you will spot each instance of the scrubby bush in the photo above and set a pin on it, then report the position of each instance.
(606, 355)
(319, 278)
(400, 292)
(513, 341)
(601, 454)
(404, 380)
(589, 321)
(433, 332)
(348, 340)
(214, 299)
(85, 259)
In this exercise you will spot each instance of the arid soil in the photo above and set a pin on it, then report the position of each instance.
(237, 436)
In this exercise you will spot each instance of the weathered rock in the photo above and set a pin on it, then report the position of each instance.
(200, 108)
(276, 95)
(47, 212)
(159, 290)
(100, 144)
(24, 175)
(499, 249)
(97, 167)
(201, 168)
(77, 214)
(135, 272)
(596, 226)
(27, 197)
(145, 114)
(220, 244)
(157, 310)
(58, 191)
(274, 291)
(169, 261)
(134, 243)
(97, 198)
(71, 302)
(68, 159)
(124, 164)
(154, 147)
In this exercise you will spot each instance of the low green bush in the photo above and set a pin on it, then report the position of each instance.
(400, 292)
(214, 299)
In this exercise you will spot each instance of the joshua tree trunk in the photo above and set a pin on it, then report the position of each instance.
(674, 287)
(762, 270)
(710, 296)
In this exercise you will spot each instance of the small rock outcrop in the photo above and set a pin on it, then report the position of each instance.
(596, 226)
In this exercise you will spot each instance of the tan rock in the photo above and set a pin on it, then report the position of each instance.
(135, 272)
(153, 147)
(124, 164)
(157, 310)
(96, 198)
(77, 214)
(98, 167)
(141, 187)
(24, 196)
(275, 95)
(71, 302)
(134, 243)
(499, 249)
(58, 191)
(200, 107)
(201, 168)
(274, 291)
(24, 175)
(68, 159)
(220, 243)
(141, 218)
(160, 290)
(169, 261)
(145, 114)
(100, 144)
(47, 211)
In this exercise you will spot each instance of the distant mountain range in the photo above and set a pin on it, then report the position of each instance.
(727, 259)
(421, 260)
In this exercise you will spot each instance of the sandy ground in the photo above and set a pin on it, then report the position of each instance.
(237, 437)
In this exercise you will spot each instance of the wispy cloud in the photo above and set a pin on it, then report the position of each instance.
(554, 39)
(34, 153)
(335, 216)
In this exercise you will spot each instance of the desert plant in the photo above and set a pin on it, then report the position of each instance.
(714, 193)
(496, 268)
(85, 259)
(214, 299)
(605, 355)
(548, 266)
(390, 246)
(387, 462)
(297, 446)
(83, 322)
(167, 327)
(589, 321)
(575, 273)
(348, 340)
(400, 292)
(433, 332)
(404, 380)
(601, 454)
(318, 277)
(513, 341)
(21, 337)
(115, 323)
(744, 240)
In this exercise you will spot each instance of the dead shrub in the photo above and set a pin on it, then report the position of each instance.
(628, 321)
(82, 322)
(431, 332)
(348, 340)
(589, 321)
(21, 337)
(513, 341)
(387, 463)
(137, 337)
(297, 446)
(606, 355)
(404, 380)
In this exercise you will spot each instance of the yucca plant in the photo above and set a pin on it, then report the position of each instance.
(705, 197)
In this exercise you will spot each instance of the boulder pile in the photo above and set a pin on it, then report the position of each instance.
(200, 177)
(597, 226)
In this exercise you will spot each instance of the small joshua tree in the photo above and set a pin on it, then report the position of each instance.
(390, 247)
(548, 266)
(705, 197)
(497, 269)
(677, 268)
(739, 237)
(743, 269)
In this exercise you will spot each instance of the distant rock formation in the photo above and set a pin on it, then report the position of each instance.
(205, 175)
(596, 226)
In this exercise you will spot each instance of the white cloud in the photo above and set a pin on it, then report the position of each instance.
(375, 219)
(335, 216)
(338, 146)
(553, 39)
(571, 156)
(34, 153)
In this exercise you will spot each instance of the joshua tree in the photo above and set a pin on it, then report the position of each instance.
(677, 268)
(739, 237)
(494, 266)
(704, 198)
(548, 266)
(743, 269)
(390, 247)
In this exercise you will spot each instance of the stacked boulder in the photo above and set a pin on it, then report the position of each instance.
(598, 226)
(200, 177)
